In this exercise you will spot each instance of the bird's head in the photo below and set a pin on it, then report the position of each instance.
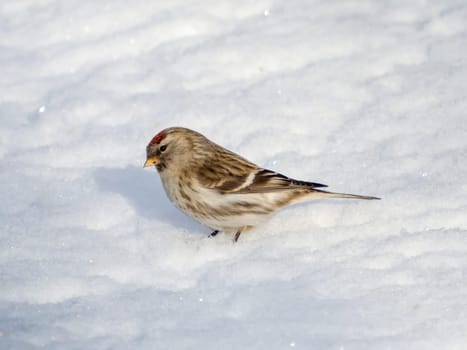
(172, 148)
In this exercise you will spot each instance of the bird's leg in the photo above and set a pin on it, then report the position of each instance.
(239, 232)
(214, 233)
(237, 235)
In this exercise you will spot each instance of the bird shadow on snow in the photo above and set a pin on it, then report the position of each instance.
(143, 190)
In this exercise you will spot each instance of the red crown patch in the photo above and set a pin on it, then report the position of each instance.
(158, 138)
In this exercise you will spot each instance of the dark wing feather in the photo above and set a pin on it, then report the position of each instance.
(270, 181)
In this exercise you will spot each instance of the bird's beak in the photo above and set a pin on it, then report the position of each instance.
(151, 161)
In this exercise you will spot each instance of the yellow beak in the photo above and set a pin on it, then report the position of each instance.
(151, 161)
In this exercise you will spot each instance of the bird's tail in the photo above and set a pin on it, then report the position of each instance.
(326, 194)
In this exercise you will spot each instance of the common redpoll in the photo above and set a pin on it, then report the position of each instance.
(219, 188)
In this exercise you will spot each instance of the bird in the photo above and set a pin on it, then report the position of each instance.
(221, 189)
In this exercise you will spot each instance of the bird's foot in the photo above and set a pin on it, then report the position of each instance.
(214, 233)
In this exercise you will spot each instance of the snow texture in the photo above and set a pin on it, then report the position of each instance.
(369, 97)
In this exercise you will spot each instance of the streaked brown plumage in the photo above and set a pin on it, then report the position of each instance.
(221, 189)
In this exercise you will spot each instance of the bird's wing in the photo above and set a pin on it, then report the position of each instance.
(227, 172)
(247, 178)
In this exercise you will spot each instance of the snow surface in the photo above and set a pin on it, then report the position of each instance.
(368, 97)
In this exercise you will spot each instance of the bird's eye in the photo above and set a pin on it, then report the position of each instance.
(163, 148)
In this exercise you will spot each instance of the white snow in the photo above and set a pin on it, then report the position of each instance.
(369, 97)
